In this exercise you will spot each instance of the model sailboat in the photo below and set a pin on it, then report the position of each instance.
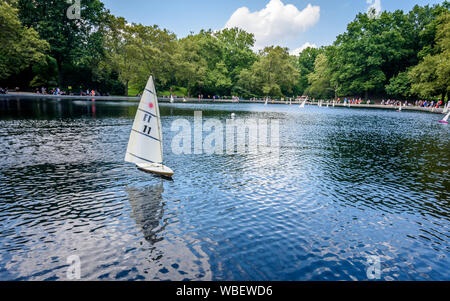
(303, 104)
(445, 120)
(145, 148)
(446, 108)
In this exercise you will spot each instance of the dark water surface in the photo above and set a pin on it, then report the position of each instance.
(350, 183)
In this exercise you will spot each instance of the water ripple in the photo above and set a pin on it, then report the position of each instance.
(349, 184)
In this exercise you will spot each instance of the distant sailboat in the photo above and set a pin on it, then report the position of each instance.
(172, 100)
(290, 101)
(145, 147)
(446, 108)
(334, 103)
(267, 101)
(445, 120)
(302, 105)
(445, 111)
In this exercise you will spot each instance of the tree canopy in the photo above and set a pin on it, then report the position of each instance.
(20, 46)
(390, 54)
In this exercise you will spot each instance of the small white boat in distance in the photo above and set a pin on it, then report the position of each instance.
(172, 100)
(445, 120)
(267, 101)
(145, 148)
(303, 104)
(446, 108)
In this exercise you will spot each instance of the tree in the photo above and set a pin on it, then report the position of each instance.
(191, 67)
(237, 51)
(320, 79)
(399, 86)
(156, 48)
(306, 61)
(70, 39)
(136, 51)
(431, 76)
(19, 46)
(272, 75)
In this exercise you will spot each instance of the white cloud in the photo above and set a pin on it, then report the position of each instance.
(374, 4)
(300, 49)
(276, 23)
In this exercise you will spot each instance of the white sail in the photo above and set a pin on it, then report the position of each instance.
(446, 118)
(172, 100)
(145, 145)
(303, 104)
(446, 108)
(267, 101)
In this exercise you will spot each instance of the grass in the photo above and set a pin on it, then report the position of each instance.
(132, 91)
(178, 91)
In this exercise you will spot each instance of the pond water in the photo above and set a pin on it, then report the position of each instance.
(349, 184)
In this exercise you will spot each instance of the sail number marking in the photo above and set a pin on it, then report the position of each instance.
(147, 128)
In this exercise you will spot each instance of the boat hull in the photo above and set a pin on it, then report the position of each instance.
(446, 122)
(157, 169)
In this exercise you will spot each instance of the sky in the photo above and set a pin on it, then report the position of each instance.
(295, 24)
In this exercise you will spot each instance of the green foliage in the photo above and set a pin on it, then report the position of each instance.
(73, 42)
(431, 76)
(393, 53)
(46, 73)
(306, 61)
(274, 74)
(19, 46)
(320, 79)
(374, 50)
(399, 86)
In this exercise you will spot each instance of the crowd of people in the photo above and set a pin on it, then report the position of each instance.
(58, 91)
(345, 101)
(418, 103)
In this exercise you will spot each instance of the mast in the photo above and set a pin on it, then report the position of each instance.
(159, 123)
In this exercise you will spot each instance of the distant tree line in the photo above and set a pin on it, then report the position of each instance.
(393, 54)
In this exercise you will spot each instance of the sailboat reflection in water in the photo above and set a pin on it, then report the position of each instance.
(170, 256)
(148, 210)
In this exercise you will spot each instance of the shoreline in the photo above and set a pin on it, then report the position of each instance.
(218, 101)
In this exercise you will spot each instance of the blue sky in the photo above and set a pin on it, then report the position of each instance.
(310, 26)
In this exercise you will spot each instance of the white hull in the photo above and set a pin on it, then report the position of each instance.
(157, 169)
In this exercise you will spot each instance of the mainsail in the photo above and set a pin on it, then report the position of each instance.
(145, 145)
(303, 104)
(446, 118)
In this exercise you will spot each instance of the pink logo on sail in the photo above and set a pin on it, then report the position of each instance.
(151, 105)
